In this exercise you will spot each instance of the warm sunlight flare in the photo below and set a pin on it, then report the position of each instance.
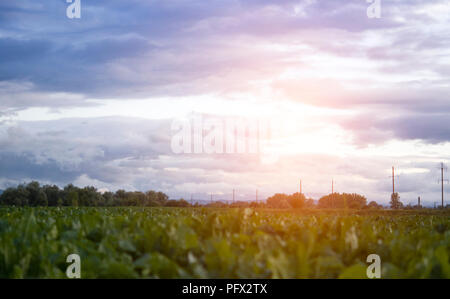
(224, 139)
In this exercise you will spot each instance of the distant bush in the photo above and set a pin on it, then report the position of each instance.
(374, 206)
(177, 203)
(284, 201)
(344, 200)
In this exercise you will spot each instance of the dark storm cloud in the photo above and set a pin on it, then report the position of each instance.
(432, 128)
(113, 151)
(86, 56)
(21, 166)
(61, 151)
(403, 114)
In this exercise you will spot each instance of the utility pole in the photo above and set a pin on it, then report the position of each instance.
(191, 200)
(332, 186)
(418, 202)
(442, 183)
(393, 181)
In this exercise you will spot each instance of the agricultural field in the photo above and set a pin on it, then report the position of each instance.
(133, 242)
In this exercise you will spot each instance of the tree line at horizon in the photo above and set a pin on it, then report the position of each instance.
(33, 194)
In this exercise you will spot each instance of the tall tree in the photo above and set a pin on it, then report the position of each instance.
(395, 201)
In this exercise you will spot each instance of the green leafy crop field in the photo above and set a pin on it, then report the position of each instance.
(221, 243)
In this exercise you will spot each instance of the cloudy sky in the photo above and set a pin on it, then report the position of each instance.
(96, 100)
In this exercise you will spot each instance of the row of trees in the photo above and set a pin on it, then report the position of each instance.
(334, 200)
(33, 194)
